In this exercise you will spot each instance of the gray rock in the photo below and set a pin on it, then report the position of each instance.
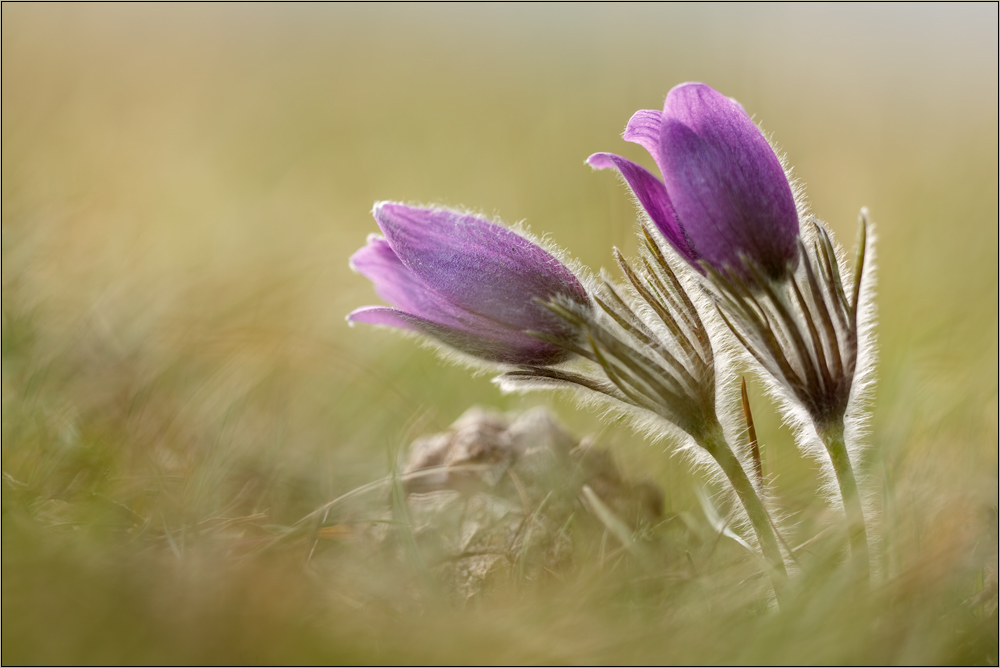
(496, 497)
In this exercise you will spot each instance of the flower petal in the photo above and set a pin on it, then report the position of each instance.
(644, 129)
(411, 296)
(399, 286)
(726, 184)
(383, 316)
(480, 267)
(479, 337)
(652, 195)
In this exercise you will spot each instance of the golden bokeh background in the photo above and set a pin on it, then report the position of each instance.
(183, 185)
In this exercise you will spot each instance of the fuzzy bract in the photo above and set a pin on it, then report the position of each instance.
(724, 198)
(471, 284)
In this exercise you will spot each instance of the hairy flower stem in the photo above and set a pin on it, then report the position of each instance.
(832, 436)
(714, 442)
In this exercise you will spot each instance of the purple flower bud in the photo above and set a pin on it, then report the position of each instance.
(724, 194)
(470, 284)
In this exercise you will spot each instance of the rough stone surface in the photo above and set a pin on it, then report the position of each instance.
(497, 497)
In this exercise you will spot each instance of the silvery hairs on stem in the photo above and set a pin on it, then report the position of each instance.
(812, 333)
(647, 347)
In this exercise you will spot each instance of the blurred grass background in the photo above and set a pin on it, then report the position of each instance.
(183, 185)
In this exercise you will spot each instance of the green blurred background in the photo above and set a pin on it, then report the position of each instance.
(183, 185)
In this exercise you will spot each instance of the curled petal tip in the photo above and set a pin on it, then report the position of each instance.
(644, 129)
(692, 84)
(379, 315)
(652, 196)
(601, 161)
(357, 315)
(376, 251)
(350, 318)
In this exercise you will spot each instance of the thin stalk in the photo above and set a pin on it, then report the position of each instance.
(758, 467)
(833, 438)
(714, 442)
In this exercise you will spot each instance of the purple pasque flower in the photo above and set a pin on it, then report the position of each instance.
(473, 285)
(724, 194)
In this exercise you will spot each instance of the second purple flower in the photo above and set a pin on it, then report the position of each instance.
(724, 196)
